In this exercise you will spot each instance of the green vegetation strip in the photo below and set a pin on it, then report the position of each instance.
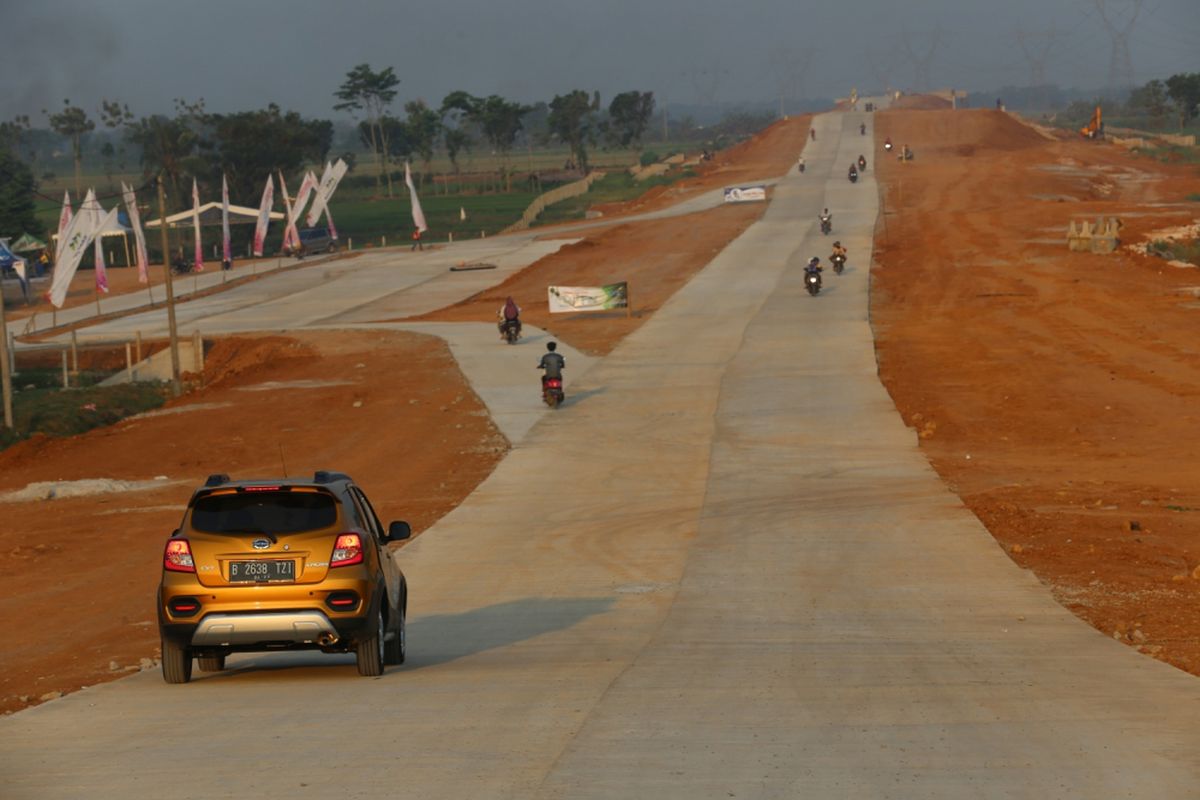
(41, 405)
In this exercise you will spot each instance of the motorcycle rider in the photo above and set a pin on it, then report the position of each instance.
(862, 129)
(826, 219)
(552, 363)
(838, 250)
(800, 165)
(510, 312)
(812, 133)
(813, 267)
(887, 144)
(862, 162)
(853, 174)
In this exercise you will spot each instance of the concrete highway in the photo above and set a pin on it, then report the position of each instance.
(723, 570)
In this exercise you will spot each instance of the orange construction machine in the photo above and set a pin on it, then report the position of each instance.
(1095, 127)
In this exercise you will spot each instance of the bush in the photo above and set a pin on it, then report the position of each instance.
(648, 157)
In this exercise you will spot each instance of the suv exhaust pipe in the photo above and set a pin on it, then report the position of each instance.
(327, 639)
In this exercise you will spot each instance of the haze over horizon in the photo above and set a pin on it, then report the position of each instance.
(240, 56)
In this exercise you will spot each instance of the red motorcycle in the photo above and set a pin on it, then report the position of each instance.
(552, 392)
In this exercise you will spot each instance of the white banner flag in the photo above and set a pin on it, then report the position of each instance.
(225, 247)
(291, 237)
(199, 252)
(264, 217)
(135, 219)
(64, 219)
(91, 207)
(79, 234)
(417, 214)
(306, 189)
(330, 179)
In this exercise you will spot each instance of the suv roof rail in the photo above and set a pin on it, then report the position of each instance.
(325, 476)
(216, 479)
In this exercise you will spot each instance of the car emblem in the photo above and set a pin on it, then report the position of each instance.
(261, 544)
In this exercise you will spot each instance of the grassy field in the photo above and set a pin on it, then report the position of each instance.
(615, 187)
(41, 405)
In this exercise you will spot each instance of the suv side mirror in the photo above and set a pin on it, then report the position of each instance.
(398, 531)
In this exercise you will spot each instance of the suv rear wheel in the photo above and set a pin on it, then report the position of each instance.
(368, 653)
(394, 648)
(176, 662)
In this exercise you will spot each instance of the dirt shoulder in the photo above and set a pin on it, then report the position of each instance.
(1054, 391)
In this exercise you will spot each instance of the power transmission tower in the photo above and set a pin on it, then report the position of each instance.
(789, 66)
(921, 62)
(1037, 48)
(1120, 27)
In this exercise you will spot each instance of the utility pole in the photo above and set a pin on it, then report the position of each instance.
(5, 373)
(172, 333)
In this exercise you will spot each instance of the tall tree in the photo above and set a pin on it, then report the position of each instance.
(168, 145)
(1150, 99)
(1184, 91)
(500, 122)
(573, 120)
(423, 126)
(369, 93)
(73, 123)
(16, 197)
(250, 145)
(629, 114)
(457, 109)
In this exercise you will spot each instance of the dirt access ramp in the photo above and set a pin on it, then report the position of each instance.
(1054, 391)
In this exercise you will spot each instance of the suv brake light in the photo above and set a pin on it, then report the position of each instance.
(178, 556)
(347, 550)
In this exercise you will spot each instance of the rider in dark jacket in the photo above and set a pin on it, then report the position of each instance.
(552, 362)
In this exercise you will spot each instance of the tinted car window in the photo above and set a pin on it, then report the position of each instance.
(264, 512)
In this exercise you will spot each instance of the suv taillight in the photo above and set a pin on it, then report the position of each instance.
(347, 550)
(178, 556)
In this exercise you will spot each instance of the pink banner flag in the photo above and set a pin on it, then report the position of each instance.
(306, 189)
(264, 217)
(91, 206)
(291, 237)
(64, 219)
(199, 254)
(225, 248)
(417, 214)
(135, 219)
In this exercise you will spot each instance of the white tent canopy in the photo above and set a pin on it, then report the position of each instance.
(210, 214)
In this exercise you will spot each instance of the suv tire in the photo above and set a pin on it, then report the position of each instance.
(176, 662)
(394, 648)
(368, 653)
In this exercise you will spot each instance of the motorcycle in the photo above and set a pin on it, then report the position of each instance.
(862, 129)
(839, 262)
(511, 331)
(181, 267)
(812, 281)
(853, 175)
(800, 166)
(552, 392)
(862, 163)
(826, 225)
(887, 146)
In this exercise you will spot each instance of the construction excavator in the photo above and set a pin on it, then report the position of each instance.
(1095, 127)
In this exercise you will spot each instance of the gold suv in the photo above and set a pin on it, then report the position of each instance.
(286, 564)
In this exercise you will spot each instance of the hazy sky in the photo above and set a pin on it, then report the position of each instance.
(242, 55)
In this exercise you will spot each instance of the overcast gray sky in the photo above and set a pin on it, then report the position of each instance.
(243, 54)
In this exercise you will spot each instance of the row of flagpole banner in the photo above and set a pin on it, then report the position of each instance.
(78, 230)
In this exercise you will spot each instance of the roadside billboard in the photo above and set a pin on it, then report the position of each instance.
(564, 299)
(745, 194)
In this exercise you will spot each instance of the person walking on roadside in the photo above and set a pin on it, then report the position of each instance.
(416, 240)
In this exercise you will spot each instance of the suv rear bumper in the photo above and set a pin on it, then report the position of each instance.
(240, 630)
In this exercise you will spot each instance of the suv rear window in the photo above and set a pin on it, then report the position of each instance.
(264, 512)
